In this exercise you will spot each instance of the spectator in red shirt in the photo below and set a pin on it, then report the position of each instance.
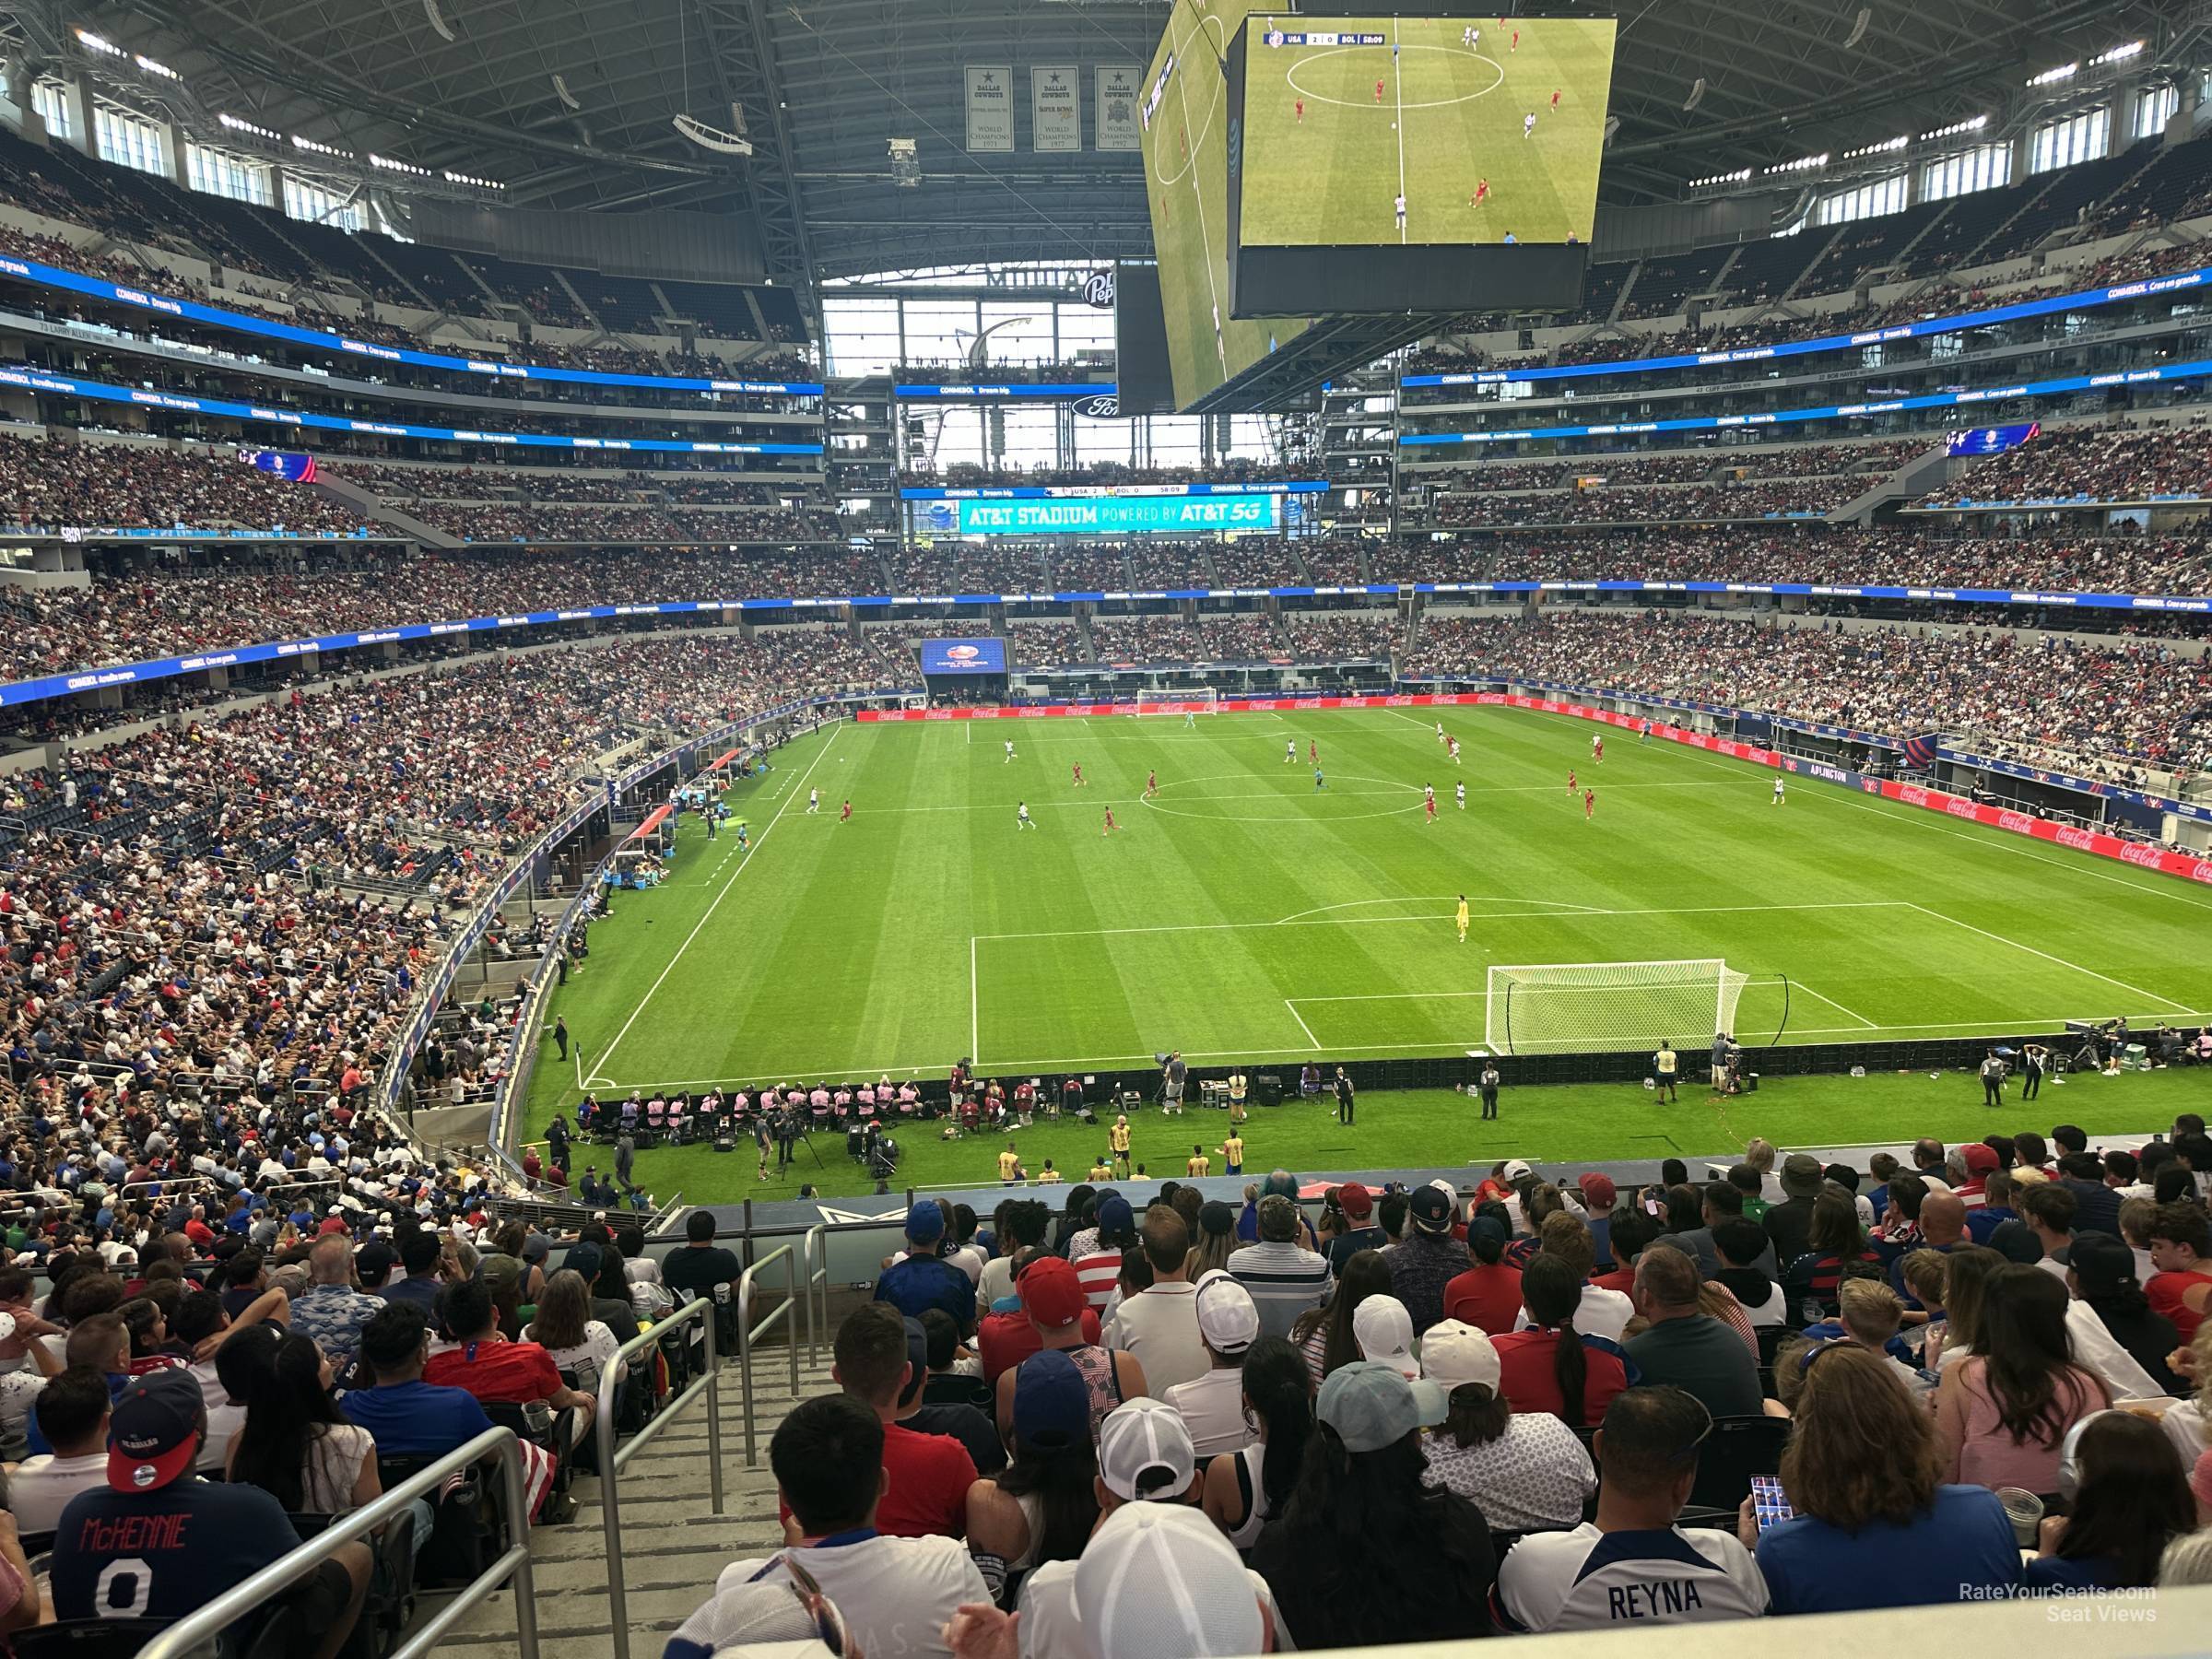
(928, 1475)
(1005, 1340)
(1551, 1366)
(2179, 1250)
(494, 1370)
(1487, 1295)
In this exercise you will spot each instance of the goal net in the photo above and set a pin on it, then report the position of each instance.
(1207, 702)
(1564, 1007)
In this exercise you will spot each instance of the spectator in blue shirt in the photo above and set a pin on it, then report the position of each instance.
(1876, 1527)
(418, 1253)
(407, 1416)
(925, 1280)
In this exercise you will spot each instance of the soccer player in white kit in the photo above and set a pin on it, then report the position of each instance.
(1401, 210)
(1021, 817)
(814, 800)
(1289, 751)
(1010, 751)
(1529, 124)
(1459, 794)
(1778, 800)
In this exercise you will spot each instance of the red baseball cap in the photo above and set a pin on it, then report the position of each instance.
(1980, 1160)
(1354, 1201)
(1598, 1191)
(1050, 1293)
(154, 1432)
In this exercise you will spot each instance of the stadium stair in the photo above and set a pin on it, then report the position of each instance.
(373, 506)
(1915, 478)
(568, 288)
(673, 1546)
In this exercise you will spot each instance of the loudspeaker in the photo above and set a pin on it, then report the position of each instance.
(1751, 1082)
(1267, 1088)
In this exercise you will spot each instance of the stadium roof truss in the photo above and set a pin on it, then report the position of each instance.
(820, 86)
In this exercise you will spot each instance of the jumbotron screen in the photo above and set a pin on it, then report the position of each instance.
(1052, 512)
(1422, 131)
(1185, 113)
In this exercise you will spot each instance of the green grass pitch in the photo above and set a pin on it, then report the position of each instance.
(1448, 115)
(1243, 915)
(1186, 182)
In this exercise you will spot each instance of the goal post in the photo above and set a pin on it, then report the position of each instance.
(1567, 1007)
(1207, 702)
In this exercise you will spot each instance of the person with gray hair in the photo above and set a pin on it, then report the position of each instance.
(1686, 1347)
(1284, 1276)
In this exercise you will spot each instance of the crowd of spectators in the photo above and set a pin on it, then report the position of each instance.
(1684, 503)
(1171, 1425)
(2097, 463)
(53, 484)
(2010, 692)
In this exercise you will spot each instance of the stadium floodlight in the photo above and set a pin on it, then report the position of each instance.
(2118, 54)
(444, 30)
(99, 43)
(1697, 96)
(1859, 26)
(150, 66)
(714, 138)
(2051, 77)
(1569, 1008)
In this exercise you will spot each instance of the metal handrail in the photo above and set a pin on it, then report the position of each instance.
(817, 1259)
(748, 1332)
(210, 1619)
(612, 1458)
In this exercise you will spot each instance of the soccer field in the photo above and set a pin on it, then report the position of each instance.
(1244, 914)
(1185, 145)
(1333, 132)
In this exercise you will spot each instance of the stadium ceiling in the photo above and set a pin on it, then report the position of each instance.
(824, 85)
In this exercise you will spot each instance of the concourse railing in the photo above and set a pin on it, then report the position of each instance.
(197, 1630)
(817, 1285)
(612, 1458)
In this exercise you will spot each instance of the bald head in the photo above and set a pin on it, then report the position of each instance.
(331, 1260)
(1943, 1218)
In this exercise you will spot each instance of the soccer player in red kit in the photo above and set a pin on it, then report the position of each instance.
(1428, 806)
(1313, 752)
(1589, 805)
(1378, 92)
(1571, 784)
(1597, 751)
(1482, 192)
(1151, 784)
(1079, 775)
(1110, 826)
(846, 813)
(1301, 112)
(1555, 101)
(1516, 45)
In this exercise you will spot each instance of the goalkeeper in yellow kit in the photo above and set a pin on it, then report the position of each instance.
(1461, 917)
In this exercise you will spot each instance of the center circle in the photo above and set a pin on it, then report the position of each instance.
(1290, 74)
(1391, 785)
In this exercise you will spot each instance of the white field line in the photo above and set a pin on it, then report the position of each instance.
(1434, 898)
(1302, 1025)
(2132, 990)
(2003, 841)
(706, 916)
(975, 1046)
(1700, 909)
(1832, 1003)
(1397, 81)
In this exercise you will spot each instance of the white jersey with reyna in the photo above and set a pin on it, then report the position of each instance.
(1586, 1580)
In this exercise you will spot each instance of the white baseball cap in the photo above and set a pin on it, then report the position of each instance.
(1384, 1329)
(1161, 1579)
(1453, 1352)
(1146, 1438)
(1226, 1317)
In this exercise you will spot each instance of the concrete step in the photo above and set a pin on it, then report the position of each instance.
(673, 1546)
